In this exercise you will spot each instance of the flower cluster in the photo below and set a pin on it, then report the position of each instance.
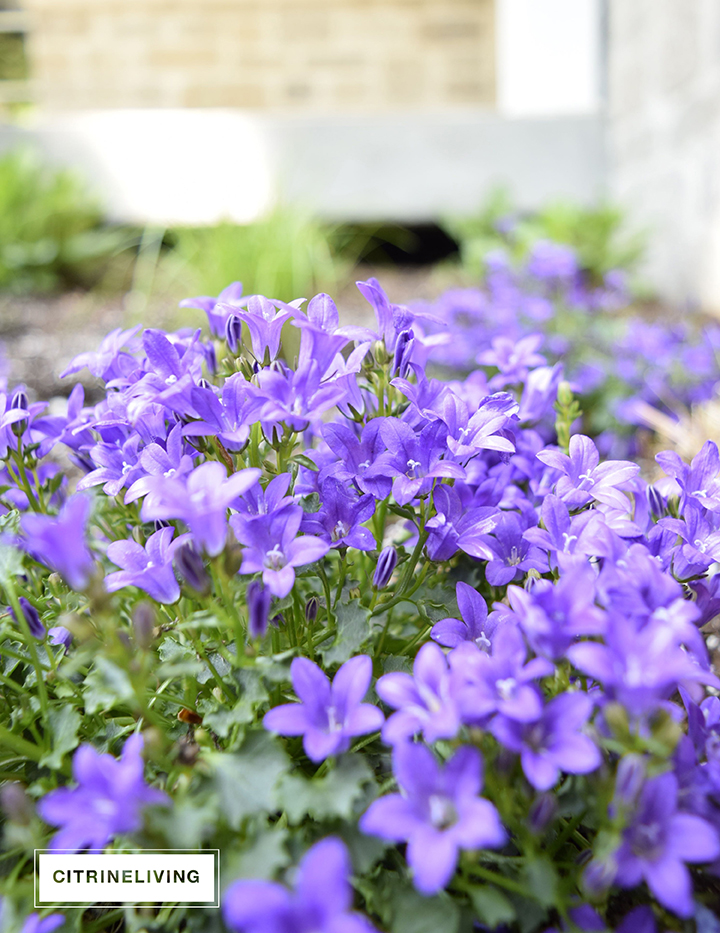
(496, 635)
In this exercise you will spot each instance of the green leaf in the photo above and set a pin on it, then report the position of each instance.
(10, 564)
(353, 624)
(106, 686)
(542, 880)
(63, 726)
(247, 781)
(417, 914)
(221, 720)
(263, 858)
(326, 797)
(492, 907)
(310, 504)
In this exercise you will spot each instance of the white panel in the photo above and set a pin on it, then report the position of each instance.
(549, 57)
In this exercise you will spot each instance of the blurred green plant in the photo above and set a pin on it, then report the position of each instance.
(50, 227)
(285, 255)
(598, 234)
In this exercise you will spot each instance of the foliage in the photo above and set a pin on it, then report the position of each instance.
(50, 233)
(597, 234)
(411, 636)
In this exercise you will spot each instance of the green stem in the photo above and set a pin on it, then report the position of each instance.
(30, 642)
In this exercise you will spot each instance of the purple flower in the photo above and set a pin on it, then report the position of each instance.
(499, 681)
(552, 616)
(118, 466)
(201, 502)
(473, 626)
(191, 568)
(413, 460)
(456, 525)
(554, 742)
(485, 429)
(340, 516)
(59, 635)
(296, 398)
(273, 548)
(34, 923)
(585, 478)
(217, 309)
(438, 813)
(320, 903)
(514, 359)
(699, 480)
(59, 542)
(107, 801)
(423, 701)
(511, 553)
(228, 418)
(329, 715)
(109, 361)
(356, 455)
(264, 319)
(32, 617)
(563, 534)
(657, 843)
(150, 568)
(258, 603)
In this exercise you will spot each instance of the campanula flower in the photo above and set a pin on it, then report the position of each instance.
(438, 812)
(339, 519)
(658, 842)
(217, 309)
(387, 561)
(34, 923)
(32, 617)
(423, 700)
(585, 478)
(264, 319)
(698, 481)
(321, 900)
(356, 454)
(458, 526)
(59, 542)
(150, 568)
(201, 500)
(473, 626)
(552, 743)
(273, 548)
(258, 604)
(511, 554)
(107, 801)
(329, 714)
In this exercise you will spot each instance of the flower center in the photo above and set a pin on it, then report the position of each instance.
(126, 467)
(334, 724)
(506, 687)
(170, 472)
(412, 465)
(514, 558)
(647, 840)
(171, 380)
(483, 642)
(340, 530)
(275, 559)
(443, 814)
(568, 539)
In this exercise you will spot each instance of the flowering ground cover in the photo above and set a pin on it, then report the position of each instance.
(410, 651)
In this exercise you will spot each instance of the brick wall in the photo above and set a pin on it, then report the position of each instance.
(302, 55)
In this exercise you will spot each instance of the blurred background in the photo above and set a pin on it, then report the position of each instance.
(155, 149)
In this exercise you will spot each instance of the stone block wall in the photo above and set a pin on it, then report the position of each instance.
(316, 56)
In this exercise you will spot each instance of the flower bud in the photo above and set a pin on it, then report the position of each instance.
(258, 603)
(189, 565)
(403, 351)
(32, 617)
(143, 621)
(311, 609)
(380, 352)
(59, 635)
(387, 561)
(542, 813)
(233, 332)
(19, 400)
(657, 502)
(629, 778)
(16, 804)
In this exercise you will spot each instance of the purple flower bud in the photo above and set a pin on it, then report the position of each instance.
(599, 875)
(629, 779)
(403, 352)
(19, 400)
(311, 609)
(16, 804)
(189, 564)
(258, 603)
(542, 813)
(657, 502)
(59, 635)
(233, 332)
(32, 617)
(143, 620)
(387, 562)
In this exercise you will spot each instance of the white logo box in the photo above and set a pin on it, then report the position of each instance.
(189, 878)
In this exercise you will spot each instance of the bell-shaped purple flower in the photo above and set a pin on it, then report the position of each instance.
(438, 813)
(59, 542)
(150, 568)
(329, 715)
(32, 617)
(386, 564)
(258, 604)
